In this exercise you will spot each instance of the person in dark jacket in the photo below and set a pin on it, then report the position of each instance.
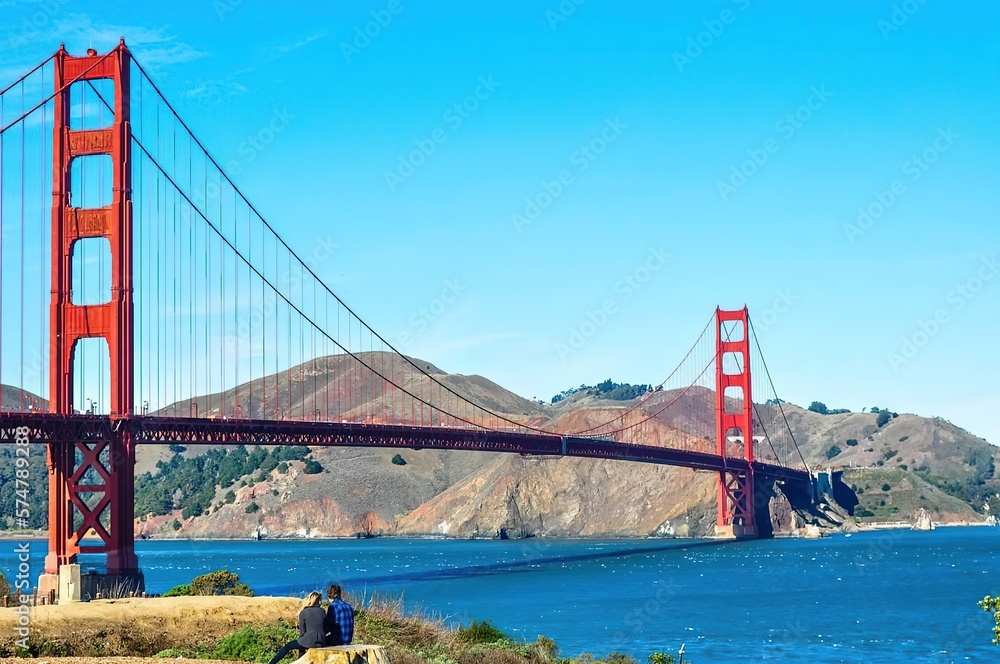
(339, 619)
(312, 629)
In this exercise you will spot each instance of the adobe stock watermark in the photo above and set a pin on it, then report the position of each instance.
(901, 14)
(913, 169)
(562, 12)
(30, 29)
(783, 302)
(786, 129)
(364, 34)
(254, 144)
(454, 117)
(223, 7)
(248, 151)
(624, 290)
(714, 28)
(22, 520)
(290, 283)
(424, 317)
(581, 159)
(958, 298)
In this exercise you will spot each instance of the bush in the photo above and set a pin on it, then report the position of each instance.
(619, 658)
(4, 586)
(313, 467)
(230, 497)
(481, 632)
(661, 658)
(862, 512)
(252, 507)
(886, 487)
(183, 590)
(222, 582)
(904, 439)
(832, 452)
(398, 460)
(254, 644)
(819, 407)
(852, 442)
(883, 419)
(176, 525)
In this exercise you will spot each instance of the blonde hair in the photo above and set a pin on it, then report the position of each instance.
(312, 599)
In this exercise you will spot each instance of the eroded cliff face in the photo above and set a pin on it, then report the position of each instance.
(567, 497)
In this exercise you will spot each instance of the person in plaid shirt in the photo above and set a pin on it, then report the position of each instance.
(339, 619)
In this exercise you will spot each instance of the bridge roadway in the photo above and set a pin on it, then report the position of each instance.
(47, 428)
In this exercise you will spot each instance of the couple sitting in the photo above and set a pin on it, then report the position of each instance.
(319, 628)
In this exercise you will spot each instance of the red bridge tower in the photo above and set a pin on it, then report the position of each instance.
(734, 422)
(91, 484)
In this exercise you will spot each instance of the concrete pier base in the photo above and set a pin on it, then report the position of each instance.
(736, 531)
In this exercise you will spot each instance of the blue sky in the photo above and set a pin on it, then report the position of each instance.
(738, 138)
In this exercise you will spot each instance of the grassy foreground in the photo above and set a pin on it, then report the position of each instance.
(251, 629)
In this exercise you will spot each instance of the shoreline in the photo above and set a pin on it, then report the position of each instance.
(42, 535)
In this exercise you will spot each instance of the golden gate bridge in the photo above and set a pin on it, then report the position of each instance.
(133, 265)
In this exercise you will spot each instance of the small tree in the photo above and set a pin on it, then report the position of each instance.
(398, 460)
(883, 418)
(313, 467)
(819, 407)
(252, 507)
(222, 582)
(993, 604)
(832, 452)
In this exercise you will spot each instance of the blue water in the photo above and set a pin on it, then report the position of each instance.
(894, 596)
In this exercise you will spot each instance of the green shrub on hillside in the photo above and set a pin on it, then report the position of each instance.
(221, 582)
(481, 632)
(993, 604)
(183, 590)
(833, 451)
(254, 644)
(197, 479)
(312, 467)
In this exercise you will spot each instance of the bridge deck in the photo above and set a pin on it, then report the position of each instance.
(47, 428)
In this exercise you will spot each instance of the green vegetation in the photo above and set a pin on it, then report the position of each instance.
(398, 460)
(4, 586)
(820, 407)
(833, 451)
(252, 507)
(852, 442)
(481, 632)
(312, 467)
(993, 604)
(192, 483)
(607, 390)
(221, 582)
(882, 419)
(253, 644)
(37, 489)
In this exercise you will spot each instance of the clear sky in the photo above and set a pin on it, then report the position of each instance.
(724, 146)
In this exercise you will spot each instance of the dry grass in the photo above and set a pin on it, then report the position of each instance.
(143, 627)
